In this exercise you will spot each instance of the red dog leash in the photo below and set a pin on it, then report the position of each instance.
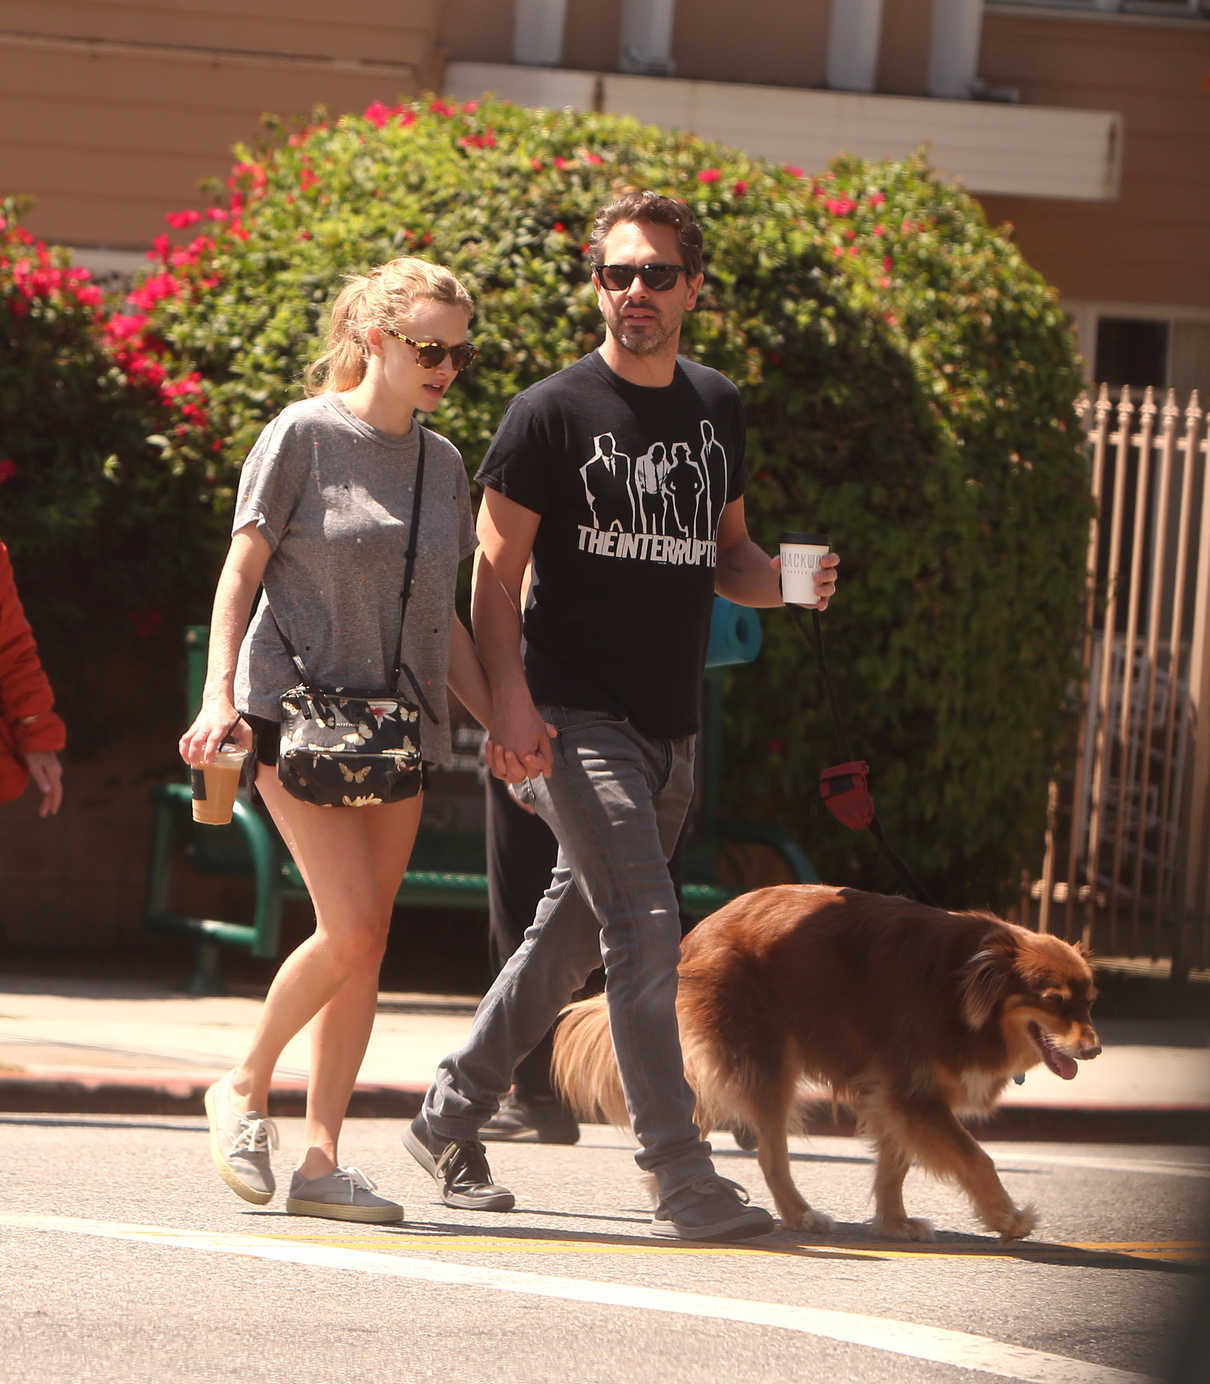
(845, 787)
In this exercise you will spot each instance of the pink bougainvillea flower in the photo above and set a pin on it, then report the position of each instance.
(594, 159)
(791, 170)
(877, 199)
(561, 163)
(740, 188)
(179, 220)
(378, 114)
(8, 469)
(536, 165)
(439, 107)
(708, 175)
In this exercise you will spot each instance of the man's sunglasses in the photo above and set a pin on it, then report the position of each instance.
(657, 277)
(430, 354)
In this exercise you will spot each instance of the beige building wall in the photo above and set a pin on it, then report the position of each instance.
(1152, 245)
(113, 111)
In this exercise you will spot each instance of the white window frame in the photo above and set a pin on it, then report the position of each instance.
(1085, 316)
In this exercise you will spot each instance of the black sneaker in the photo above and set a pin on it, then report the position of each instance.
(547, 1118)
(713, 1209)
(460, 1166)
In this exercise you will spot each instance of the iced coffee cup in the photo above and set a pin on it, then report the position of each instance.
(801, 554)
(214, 786)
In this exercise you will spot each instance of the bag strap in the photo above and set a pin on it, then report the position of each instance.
(408, 571)
(410, 561)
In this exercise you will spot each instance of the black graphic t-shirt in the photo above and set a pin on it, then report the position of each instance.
(630, 483)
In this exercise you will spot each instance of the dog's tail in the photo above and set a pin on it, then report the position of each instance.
(583, 1066)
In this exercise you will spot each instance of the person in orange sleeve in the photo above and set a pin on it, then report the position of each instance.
(30, 733)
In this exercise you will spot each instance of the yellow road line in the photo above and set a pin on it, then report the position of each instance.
(1173, 1251)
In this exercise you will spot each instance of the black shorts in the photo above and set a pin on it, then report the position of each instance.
(266, 736)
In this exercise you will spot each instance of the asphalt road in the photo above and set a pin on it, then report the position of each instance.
(124, 1258)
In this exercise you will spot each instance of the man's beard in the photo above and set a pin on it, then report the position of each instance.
(642, 343)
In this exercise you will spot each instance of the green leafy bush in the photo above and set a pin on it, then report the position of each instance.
(909, 382)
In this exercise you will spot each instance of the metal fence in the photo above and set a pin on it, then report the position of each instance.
(1125, 868)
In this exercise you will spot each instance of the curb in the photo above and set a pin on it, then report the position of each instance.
(81, 1094)
(91, 1095)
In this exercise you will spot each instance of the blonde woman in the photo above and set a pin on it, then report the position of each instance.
(322, 521)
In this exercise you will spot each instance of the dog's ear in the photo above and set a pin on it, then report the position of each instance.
(985, 980)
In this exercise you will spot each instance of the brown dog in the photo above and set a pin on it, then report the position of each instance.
(912, 1015)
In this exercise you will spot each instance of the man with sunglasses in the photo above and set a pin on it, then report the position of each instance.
(596, 691)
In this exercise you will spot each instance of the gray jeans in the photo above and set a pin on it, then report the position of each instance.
(615, 800)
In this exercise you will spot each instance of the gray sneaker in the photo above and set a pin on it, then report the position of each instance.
(460, 1166)
(345, 1194)
(713, 1209)
(240, 1144)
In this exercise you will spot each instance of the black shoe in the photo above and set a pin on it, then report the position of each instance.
(546, 1117)
(460, 1166)
(713, 1209)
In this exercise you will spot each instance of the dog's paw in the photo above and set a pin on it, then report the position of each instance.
(808, 1219)
(904, 1228)
(1017, 1225)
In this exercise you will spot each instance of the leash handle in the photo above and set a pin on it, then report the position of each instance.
(872, 825)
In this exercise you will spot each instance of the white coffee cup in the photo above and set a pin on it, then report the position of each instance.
(801, 554)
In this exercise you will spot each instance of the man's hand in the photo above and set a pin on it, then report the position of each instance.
(518, 743)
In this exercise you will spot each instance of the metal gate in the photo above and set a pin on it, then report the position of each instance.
(1125, 868)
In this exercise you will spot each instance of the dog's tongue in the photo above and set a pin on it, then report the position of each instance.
(1059, 1062)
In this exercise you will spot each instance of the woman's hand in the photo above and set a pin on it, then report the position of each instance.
(217, 723)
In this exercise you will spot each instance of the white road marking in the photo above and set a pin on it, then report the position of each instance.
(936, 1344)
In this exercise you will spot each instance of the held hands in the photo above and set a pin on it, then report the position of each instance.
(518, 744)
(217, 723)
(825, 578)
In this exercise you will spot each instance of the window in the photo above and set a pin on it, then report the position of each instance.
(1136, 346)
(1130, 350)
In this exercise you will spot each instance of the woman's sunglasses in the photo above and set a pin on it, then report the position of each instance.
(657, 277)
(430, 354)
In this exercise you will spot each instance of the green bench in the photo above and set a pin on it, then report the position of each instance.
(448, 868)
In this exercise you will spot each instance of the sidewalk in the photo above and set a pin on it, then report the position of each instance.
(77, 1046)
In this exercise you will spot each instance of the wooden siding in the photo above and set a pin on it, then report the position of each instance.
(1150, 245)
(112, 114)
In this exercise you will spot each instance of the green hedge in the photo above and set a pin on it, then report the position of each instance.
(909, 382)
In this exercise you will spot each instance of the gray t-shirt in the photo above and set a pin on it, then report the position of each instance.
(332, 496)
